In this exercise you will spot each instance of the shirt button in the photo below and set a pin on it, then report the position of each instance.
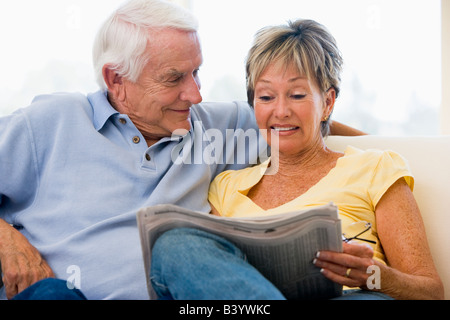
(136, 140)
(123, 121)
(147, 156)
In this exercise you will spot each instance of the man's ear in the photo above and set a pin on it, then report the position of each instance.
(114, 82)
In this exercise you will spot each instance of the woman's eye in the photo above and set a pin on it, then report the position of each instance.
(298, 96)
(265, 98)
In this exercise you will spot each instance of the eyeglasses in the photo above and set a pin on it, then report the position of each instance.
(357, 228)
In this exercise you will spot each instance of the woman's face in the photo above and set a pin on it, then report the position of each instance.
(290, 107)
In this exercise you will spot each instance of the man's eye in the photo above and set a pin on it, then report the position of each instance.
(174, 80)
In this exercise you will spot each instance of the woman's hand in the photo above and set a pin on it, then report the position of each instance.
(348, 268)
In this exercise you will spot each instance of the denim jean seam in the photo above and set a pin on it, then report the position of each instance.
(156, 283)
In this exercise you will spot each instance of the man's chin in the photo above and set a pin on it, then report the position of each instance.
(183, 128)
(180, 132)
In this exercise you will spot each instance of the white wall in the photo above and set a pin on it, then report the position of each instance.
(445, 107)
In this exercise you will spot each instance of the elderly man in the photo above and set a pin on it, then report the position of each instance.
(75, 169)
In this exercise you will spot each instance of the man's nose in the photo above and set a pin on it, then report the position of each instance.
(192, 91)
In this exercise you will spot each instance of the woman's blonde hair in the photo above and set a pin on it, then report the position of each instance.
(305, 44)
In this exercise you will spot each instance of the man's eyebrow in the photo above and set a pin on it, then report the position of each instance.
(170, 74)
(174, 72)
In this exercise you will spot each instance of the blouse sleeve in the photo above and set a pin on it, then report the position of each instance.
(216, 192)
(390, 168)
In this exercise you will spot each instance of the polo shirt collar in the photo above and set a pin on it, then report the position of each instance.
(102, 109)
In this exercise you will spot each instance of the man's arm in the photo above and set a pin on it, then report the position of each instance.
(339, 129)
(21, 263)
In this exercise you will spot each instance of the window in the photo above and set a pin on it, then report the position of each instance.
(47, 47)
(392, 51)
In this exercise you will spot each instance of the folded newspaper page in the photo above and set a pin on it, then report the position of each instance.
(281, 247)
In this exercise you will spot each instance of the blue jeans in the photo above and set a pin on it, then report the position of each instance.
(50, 289)
(189, 264)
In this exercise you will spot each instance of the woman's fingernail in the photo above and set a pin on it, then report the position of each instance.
(318, 254)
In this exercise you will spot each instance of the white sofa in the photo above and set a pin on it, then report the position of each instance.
(429, 160)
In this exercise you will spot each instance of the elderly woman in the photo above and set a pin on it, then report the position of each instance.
(293, 75)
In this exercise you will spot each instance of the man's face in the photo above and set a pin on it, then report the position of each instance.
(159, 102)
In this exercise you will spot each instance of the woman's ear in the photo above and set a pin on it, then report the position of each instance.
(114, 82)
(330, 99)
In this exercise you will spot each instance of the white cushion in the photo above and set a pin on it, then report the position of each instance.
(429, 160)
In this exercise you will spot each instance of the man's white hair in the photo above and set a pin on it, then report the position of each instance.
(122, 40)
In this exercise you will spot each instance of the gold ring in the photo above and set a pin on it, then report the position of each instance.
(347, 274)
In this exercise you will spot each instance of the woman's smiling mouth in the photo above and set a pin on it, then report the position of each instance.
(283, 129)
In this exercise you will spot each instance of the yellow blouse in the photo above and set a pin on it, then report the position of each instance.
(355, 185)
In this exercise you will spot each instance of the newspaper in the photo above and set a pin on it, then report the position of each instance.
(281, 247)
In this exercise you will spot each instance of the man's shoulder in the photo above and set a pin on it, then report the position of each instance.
(50, 112)
(60, 99)
(59, 105)
(237, 114)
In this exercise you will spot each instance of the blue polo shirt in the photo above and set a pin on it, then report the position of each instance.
(74, 172)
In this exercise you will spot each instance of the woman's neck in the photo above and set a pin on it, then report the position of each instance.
(289, 165)
(291, 175)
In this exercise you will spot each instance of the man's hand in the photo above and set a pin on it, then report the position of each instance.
(22, 264)
(340, 129)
